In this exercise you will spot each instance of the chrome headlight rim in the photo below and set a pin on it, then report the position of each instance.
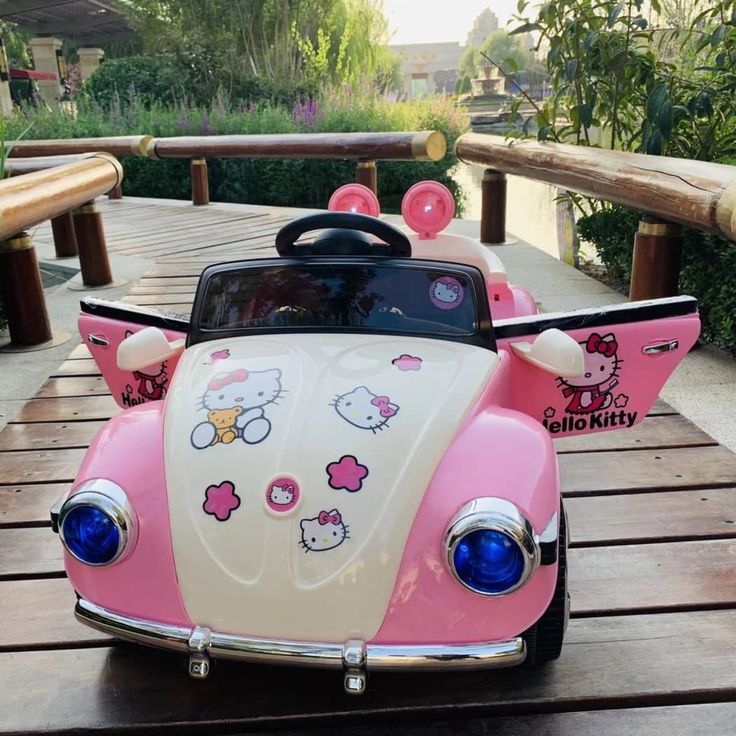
(112, 501)
(493, 514)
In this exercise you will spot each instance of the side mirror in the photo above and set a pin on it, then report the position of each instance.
(553, 351)
(147, 347)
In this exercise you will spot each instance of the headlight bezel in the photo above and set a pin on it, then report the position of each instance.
(493, 514)
(111, 500)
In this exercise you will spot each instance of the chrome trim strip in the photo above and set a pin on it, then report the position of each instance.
(307, 653)
(502, 516)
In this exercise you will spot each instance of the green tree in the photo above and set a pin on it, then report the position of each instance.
(503, 48)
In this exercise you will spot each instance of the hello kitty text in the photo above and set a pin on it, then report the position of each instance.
(235, 403)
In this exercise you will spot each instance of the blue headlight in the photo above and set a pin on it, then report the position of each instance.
(91, 535)
(489, 561)
(97, 524)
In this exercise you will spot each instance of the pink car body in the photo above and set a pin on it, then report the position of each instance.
(461, 443)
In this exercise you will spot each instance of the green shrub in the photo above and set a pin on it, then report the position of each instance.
(708, 267)
(270, 182)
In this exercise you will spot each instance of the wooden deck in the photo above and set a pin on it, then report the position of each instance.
(651, 647)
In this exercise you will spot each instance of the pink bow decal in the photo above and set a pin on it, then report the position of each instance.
(605, 345)
(226, 379)
(329, 517)
(288, 487)
(386, 408)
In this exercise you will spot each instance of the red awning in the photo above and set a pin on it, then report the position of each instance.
(31, 74)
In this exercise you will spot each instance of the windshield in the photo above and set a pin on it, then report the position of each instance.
(376, 297)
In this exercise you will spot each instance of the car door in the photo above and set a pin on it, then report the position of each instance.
(629, 350)
(103, 325)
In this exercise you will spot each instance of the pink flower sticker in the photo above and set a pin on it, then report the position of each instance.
(218, 355)
(347, 474)
(283, 495)
(221, 500)
(621, 401)
(406, 362)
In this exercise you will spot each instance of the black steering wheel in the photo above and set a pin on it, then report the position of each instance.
(348, 237)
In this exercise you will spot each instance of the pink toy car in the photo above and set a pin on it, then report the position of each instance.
(352, 465)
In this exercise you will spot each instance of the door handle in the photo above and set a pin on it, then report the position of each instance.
(100, 340)
(656, 348)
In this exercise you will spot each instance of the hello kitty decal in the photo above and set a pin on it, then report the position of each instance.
(151, 384)
(235, 402)
(325, 531)
(282, 495)
(446, 293)
(591, 402)
(364, 409)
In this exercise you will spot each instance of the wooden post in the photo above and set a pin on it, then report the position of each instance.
(200, 183)
(65, 239)
(655, 270)
(115, 193)
(93, 260)
(20, 283)
(367, 175)
(493, 208)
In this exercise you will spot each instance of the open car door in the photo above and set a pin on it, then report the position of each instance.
(105, 324)
(629, 351)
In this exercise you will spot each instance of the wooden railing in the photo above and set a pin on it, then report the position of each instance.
(65, 191)
(364, 148)
(670, 192)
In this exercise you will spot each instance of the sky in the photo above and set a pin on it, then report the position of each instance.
(427, 21)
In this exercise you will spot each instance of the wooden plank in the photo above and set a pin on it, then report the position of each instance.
(48, 435)
(646, 470)
(29, 553)
(25, 505)
(47, 619)
(68, 409)
(660, 408)
(79, 352)
(78, 367)
(609, 579)
(73, 386)
(646, 517)
(613, 662)
(161, 300)
(45, 466)
(653, 577)
(654, 432)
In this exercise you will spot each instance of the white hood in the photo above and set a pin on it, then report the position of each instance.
(295, 466)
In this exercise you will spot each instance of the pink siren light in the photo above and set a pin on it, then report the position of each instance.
(427, 208)
(355, 198)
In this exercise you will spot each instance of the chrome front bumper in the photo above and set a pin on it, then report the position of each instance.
(353, 657)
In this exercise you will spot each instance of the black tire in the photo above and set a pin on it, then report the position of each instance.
(544, 639)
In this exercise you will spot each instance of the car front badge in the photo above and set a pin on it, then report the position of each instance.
(406, 362)
(591, 402)
(221, 500)
(346, 474)
(283, 495)
(364, 409)
(235, 402)
(446, 292)
(324, 532)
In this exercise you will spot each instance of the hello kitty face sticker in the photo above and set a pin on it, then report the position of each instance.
(235, 403)
(364, 409)
(346, 474)
(325, 531)
(282, 495)
(221, 500)
(592, 390)
(446, 293)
